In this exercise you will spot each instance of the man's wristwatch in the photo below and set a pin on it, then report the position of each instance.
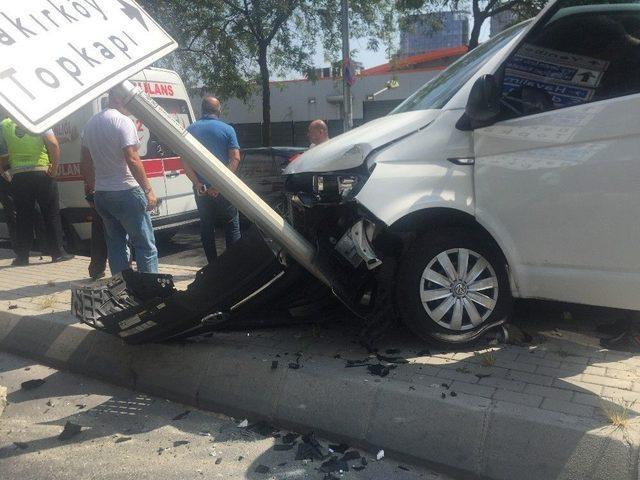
(147, 191)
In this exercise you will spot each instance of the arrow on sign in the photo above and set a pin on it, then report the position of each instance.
(133, 13)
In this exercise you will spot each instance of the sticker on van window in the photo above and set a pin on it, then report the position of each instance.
(568, 79)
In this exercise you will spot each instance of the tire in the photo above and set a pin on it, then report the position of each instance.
(458, 311)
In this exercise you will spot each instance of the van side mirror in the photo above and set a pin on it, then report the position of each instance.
(483, 105)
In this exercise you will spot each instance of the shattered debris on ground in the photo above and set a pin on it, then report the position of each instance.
(182, 415)
(32, 384)
(70, 430)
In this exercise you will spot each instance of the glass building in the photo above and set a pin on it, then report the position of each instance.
(433, 31)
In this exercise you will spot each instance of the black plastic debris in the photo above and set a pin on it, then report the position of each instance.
(482, 375)
(81, 406)
(296, 365)
(274, 365)
(443, 395)
(21, 445)
(283, 447)
(453, 394)
(290, 438)
(13, 307)
(70, 430)
(182, 415)
(350, 456)
(122, 439)
(310, 449)
(240, 458)
(32, 384)
(363, 461)
(262, 469)
(401, 467)
(263, 428)
(357, 363)
(334, 465)
(445, 385)
(218, 461)
(396, 360)
(341, 448)
(179, 443)
(359, 469)
(380, 370)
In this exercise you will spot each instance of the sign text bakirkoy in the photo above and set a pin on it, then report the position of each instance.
(55, 56)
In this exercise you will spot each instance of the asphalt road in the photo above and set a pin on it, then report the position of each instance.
(128, 435)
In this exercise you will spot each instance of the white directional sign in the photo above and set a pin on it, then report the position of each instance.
(57, 55)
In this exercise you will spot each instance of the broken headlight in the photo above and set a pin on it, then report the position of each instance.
(337, 187)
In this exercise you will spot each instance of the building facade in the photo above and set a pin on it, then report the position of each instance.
(433, 31)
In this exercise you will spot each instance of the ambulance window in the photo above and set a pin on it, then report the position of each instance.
(150, 146)
(585, 52)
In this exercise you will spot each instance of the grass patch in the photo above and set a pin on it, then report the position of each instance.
(617, 412)
(487, 359)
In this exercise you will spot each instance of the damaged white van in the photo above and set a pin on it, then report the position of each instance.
(515, 173)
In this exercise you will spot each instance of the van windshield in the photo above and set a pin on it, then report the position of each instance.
(436, 93)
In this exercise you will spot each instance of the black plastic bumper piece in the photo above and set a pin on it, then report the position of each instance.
(143, 308)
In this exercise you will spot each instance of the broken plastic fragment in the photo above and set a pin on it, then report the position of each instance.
(243, 424)
(182, 415)
(380, 370)
(218, 461)
(283, 447)
(122, 439)
(380, 455)
(179, 443)
(343, 447)
(32, 384)
(70, 430)
(334, 465)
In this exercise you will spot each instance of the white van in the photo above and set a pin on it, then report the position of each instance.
(176, 204)
(515, 173)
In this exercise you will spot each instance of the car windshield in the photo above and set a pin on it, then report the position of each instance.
(436, 93)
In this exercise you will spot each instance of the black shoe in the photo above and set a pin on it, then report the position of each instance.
(62, 258)
(97, 276)
(20, 262)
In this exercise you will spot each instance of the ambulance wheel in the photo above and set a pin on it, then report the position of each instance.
(453, 287)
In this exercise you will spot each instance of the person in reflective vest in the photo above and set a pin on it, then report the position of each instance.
(33, 161)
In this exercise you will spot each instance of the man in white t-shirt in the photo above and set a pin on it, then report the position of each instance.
(116, 181)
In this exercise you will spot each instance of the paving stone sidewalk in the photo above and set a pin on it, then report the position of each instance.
(562, 378)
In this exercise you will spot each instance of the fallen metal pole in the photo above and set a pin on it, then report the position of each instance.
(214, 171)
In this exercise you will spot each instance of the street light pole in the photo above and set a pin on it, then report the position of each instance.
(346, 60)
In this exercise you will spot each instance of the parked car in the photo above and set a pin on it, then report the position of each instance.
(261, 169)
(512, 174)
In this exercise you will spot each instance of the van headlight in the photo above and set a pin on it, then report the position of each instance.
(337, 187)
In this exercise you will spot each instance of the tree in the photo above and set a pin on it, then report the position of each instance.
(234, 47)
(481, 10)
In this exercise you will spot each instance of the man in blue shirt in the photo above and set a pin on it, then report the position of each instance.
(221, 140)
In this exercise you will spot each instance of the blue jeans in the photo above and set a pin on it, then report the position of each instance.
(124, 213)
(221, 210)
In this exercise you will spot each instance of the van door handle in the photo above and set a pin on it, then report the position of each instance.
(172, 174)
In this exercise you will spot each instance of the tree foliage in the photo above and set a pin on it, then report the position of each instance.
(234, 47)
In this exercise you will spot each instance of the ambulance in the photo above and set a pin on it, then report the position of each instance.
(176, 204)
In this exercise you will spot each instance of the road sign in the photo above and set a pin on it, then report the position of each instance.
(57, 55)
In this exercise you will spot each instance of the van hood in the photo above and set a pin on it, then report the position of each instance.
(351, 149)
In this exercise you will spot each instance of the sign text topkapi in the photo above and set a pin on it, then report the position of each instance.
(57, 55)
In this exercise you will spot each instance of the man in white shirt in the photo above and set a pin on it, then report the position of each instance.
(114, 175)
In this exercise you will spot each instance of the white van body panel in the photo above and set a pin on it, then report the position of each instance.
(416, 173)
(350, 149)
(560, 189)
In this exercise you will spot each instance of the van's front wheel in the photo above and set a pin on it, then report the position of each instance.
(452, 287)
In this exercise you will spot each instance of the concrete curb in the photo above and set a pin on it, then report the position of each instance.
(473, 436)
(3, 399)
